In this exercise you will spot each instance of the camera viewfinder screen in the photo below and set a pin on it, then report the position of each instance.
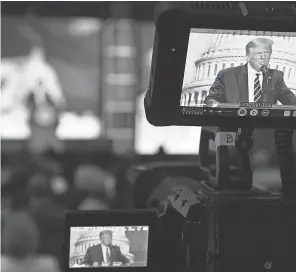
(240, 73)
(110, 246)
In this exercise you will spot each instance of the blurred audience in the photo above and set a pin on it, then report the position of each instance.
(39, 187)
(20, 244)
(41, 190)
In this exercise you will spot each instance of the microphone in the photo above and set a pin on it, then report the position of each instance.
(264, 69)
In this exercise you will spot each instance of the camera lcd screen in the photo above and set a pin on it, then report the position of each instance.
(240, 73)
(108, 246)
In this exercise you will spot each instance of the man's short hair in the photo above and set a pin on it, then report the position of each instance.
(259, 41)
(110, 232)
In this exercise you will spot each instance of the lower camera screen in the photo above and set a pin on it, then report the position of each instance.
(108, 246)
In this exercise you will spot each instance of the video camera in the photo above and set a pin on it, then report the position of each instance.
(227, 65)
(230, 65)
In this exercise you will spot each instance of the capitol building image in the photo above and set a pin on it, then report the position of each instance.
(228, 49)
(91, 238)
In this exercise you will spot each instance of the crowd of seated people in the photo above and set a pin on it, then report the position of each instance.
(37, 190)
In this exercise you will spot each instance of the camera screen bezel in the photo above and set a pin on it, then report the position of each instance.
(112, 218)
(162, 101)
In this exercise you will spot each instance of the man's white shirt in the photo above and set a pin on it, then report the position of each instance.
(251, 79)
(104, 249)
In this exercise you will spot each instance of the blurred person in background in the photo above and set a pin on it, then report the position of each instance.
(20, 243)
(6, 198)
(38, 186)
(93, 188)
(45, 100)
(15, 184)
(48, 214)
(92, 204)
(6, 210)
(18, 178)
(32, 96)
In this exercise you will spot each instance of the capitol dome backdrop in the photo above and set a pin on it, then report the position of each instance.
(208, 53)
(132, 244)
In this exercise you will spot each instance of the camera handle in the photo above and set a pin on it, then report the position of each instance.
(233, 145)
(238, 142)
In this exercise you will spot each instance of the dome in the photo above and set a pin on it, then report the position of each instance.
(88, 235)
(234, 42)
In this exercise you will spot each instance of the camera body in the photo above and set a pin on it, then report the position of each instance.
(204, 229)
(229, 231)
(209, 228)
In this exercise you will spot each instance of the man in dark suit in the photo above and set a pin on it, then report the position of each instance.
(251, 83)
(104, 252)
